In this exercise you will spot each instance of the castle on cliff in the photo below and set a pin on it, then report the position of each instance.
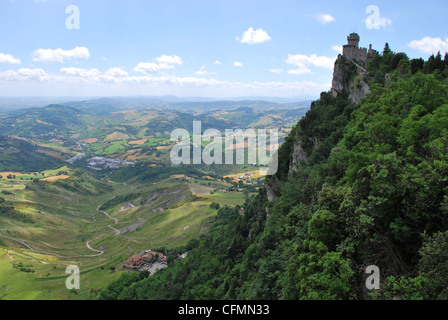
(352, 52)
(342, 80)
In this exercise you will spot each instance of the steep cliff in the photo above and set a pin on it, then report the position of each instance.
(349, 77)
(341, 76)
(349, 86)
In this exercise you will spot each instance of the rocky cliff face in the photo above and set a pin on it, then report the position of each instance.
(349, 77)
(271, 189)
(341, 77)
(358, 90)
(298, 154)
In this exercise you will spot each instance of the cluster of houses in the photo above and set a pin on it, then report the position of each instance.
(76, 146)
(150, 260)
(246, 177)
(100, 163)
(73, 159)
(146, 257)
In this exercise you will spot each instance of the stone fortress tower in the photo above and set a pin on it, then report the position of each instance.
(343, 78)
(352, 52)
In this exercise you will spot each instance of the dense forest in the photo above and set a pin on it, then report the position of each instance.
(370, 189)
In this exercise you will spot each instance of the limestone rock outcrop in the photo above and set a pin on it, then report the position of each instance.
(350, 70)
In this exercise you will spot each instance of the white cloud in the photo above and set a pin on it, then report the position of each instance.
(79, 72)
(252, 36)
(24, 74)
(238, 64)
(302, 62)
(430, 45)
(163, 66)
(116, 72)
(278, 71)
(218, 62)
(7, 58)
(59, 55)
(324, 18)
(114, 81)
(337, 49)
(203, 71)
(164, 62)
(147, 67)
(164, 59)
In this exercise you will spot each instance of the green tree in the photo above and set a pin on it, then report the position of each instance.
(433, 265)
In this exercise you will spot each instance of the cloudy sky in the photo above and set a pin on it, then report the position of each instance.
(210, 48)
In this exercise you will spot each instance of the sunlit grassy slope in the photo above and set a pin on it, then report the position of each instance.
(65, 218)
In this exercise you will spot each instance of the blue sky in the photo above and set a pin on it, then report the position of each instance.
(212, 48)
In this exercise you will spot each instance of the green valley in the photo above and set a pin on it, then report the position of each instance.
(96, 191)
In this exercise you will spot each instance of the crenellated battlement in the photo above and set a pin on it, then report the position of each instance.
(352, 52)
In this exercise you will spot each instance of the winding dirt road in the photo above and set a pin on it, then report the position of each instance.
(55, 254)
(116, 231)
(98, 252)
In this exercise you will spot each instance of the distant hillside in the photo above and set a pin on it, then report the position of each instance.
(23, 156)
(35, 121)
(99, 118)
(106, 105)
